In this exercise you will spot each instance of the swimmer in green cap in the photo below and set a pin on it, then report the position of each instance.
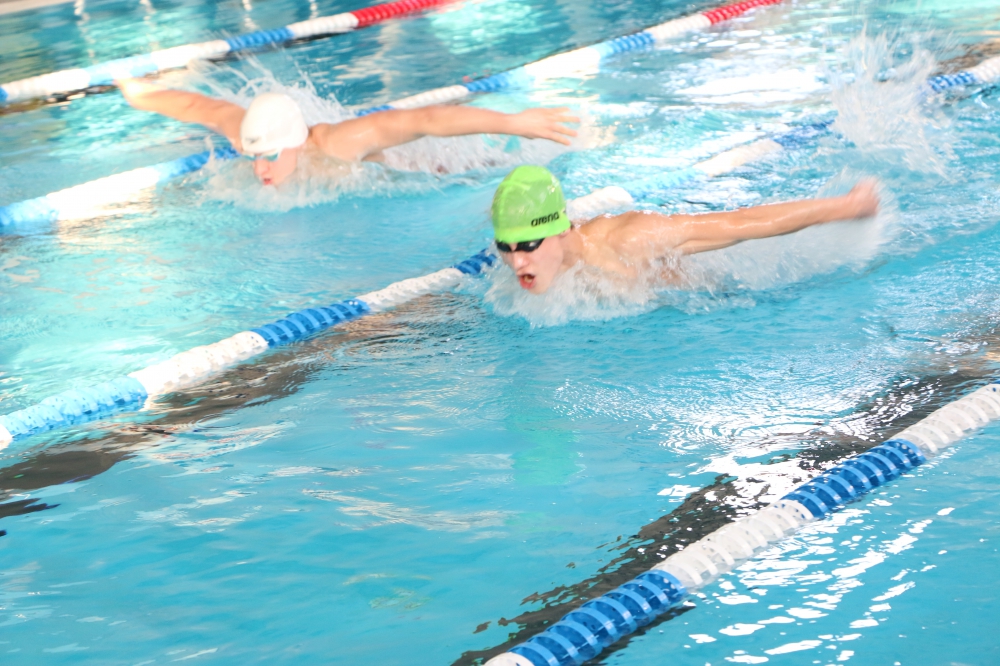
(536, 239)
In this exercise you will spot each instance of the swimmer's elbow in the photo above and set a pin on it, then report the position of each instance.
(696, 246)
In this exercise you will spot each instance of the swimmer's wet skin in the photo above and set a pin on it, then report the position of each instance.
(535, 238)
(273, 133)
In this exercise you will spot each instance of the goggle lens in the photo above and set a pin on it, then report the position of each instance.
(523, 246)
(270, 157)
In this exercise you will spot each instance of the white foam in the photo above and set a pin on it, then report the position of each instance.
(454, 155)
(580, 293)
(759, 88)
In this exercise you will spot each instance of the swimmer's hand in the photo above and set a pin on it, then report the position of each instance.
(545, 124)
(136, 91)
(863, 200)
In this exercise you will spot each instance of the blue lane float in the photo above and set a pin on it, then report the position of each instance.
(191, 367)
(576, 63)
(988, 71)
(584, 632)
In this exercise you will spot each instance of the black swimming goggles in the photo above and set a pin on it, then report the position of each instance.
(523, 246)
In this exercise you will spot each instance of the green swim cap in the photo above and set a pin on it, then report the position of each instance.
(528, 205)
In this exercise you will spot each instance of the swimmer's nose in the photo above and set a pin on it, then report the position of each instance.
(260, 168)
(518, 260)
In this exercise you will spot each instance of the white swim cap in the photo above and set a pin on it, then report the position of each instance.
(272, 123)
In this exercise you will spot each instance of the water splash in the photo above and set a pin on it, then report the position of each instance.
(581, 293)
(884, 106)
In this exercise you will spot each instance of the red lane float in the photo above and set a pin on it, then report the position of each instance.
(371, 15)
(732, 11)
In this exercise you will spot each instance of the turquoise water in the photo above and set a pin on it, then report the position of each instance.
(389, 492)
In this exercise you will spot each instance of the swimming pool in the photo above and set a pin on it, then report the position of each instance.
(392, 490)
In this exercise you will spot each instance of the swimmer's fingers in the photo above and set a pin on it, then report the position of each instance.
(563, 114)
(863, 200)
(566, 132)
(554, 131)
(133, 89)
(547, 124)
(559, 134)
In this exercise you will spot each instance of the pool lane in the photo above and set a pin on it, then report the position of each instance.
(71, 458)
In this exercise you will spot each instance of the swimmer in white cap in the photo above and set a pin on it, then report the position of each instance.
(273, 133)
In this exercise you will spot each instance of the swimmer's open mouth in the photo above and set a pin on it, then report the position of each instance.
(527, 280)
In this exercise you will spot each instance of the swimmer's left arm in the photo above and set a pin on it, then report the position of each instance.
(215, 114)
(359, 138)
(648, 235)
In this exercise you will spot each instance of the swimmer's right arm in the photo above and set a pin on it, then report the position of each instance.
(216, 115)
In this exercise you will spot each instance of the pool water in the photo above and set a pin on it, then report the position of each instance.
(428, 484)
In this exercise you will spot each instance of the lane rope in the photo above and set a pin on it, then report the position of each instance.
(194, 366)
(87, 200)
(985, 72)
(583, 633)
(578, 62)
(103, 74)
(76, 202)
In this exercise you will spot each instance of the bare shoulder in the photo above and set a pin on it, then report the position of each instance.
(336, 139)
(642, 225)
(352, 139)
(598, 229)
(644, 234)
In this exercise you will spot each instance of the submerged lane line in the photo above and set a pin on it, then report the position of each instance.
(103, 74)
(73, 202)
(584, 632)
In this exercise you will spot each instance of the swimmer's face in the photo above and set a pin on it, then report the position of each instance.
(278, 171)
(537, 270)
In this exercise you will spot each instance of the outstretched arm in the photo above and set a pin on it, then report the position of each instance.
(359, 138)
(216, 115)
(647, 236)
